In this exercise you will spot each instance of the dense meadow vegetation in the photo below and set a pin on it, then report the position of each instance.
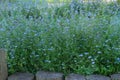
(77, 37)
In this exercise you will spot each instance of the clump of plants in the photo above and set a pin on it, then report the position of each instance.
(65, 42)
(93, 9)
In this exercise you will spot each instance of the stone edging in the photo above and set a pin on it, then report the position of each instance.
(43, 75)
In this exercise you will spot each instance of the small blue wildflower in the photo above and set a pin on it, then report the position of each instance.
(81, 55)
(86, 53)
(47, 61)
(118, 59)
(99, 52)
(93, 62)
(90, 57)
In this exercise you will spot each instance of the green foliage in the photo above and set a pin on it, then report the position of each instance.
(31, 13)
(63, 11)
(118, 1)
(52, 1)
(93, 9)
(62, 39)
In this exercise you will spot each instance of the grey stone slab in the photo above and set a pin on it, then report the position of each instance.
(97, 77)
(21, 76)
(42, 75)
(75, 77)
(115, 77)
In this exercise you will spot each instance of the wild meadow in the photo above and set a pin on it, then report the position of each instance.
(81, 38)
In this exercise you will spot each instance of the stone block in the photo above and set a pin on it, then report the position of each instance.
(21, 76)
(97, 77)
(42, 75)
(115, 77)
(75, 77)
